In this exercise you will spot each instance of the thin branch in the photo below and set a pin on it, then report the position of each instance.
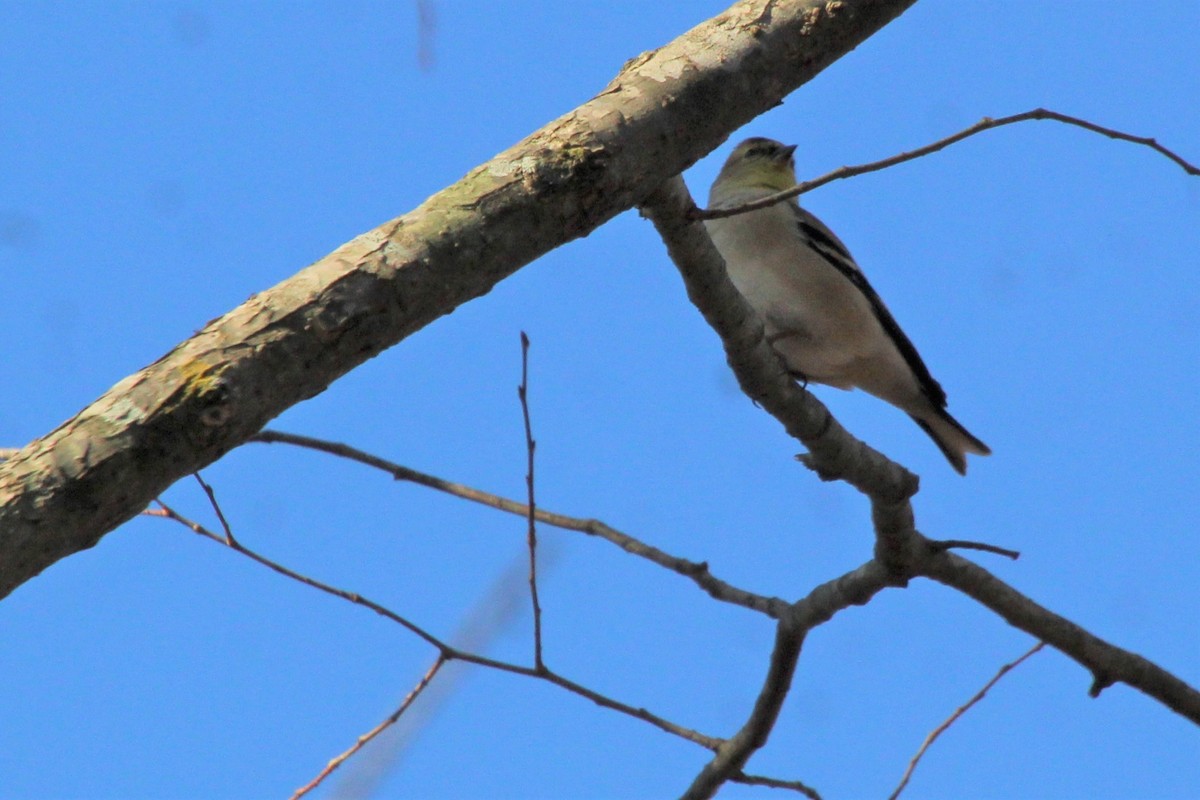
(698, 572)
(531, 506)
(1107, 662)
(774, 783)
(216, 507)
(378, 729)
(450, 653)
(167, 512)
(733, 753)
(490, 614)
(985, 124)
(705, 741)
(941, 545)
(912, 765)
(856, 587)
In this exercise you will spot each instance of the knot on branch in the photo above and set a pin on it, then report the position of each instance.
(1100, 682)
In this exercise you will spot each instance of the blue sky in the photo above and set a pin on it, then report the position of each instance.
(163, 161)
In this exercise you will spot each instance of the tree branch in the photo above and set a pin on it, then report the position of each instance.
(901, 552)
(531, 506)
(445, 651)
(854, 588)
(61, 493)
(733, 753)
(834, 453)
(775, 783)
(363, 740)
(985, 124)
(696, 571)
(958, 712)
(1108, 663)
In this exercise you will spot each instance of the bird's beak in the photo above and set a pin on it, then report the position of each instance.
(788, 151)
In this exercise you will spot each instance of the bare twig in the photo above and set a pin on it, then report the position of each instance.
(212, 500)
(531, 506)
(167, 512)
(490, 614)
(942, 545)
(447, 651)
(912, 765)
(696, 571)
(775, 783)
(378, 729)
(985, 124)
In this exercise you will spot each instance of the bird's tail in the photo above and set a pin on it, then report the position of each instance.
(951, 437)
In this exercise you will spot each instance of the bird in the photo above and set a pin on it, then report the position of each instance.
(818, 310)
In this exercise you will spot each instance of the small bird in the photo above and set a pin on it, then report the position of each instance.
(819, 312)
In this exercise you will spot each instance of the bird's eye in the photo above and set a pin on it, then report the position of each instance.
(768, 150)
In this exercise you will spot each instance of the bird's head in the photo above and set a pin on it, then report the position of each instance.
(760, 163)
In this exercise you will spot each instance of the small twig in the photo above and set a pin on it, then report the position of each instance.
(170, 513)
(987, 123)
(693, 736)
(696, 571)
(912, 765)
(490, 615)
(530, 448)
(942, 545)
(371, 734)
(447, 651)
(774, 783)
(212, 500)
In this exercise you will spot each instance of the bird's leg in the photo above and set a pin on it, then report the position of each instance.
(795, 373)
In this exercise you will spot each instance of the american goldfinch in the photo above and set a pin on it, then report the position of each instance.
(819, 312)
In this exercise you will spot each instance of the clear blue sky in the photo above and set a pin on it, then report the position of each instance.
(163, 161)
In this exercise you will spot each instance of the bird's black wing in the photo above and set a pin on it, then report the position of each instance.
(824, 242)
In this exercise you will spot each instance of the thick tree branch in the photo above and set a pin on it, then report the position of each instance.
(664, 111)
